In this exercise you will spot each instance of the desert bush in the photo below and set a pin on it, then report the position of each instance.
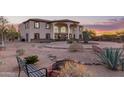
(111, 57)
(33, 45)
(20, 52)
(73, 69)
(76, 47)
(70, 41)
(31, 59)
(108, 37)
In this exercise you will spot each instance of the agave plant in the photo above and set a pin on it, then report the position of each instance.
(111, 57)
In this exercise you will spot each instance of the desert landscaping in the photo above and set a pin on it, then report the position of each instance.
(9, 66)
(59, 48)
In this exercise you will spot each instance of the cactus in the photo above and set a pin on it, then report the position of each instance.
(86, 36)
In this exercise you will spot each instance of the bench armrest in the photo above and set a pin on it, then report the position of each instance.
(40, 70)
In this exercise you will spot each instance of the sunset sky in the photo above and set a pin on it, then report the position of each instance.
(102, 23)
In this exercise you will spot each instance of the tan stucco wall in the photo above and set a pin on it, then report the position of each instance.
(42, 30)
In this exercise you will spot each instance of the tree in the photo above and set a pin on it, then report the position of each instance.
(12, 34)
(120, 35)
(92, 33)
(3, 29)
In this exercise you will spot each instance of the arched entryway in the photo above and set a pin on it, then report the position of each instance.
(64, 31)
(61, 31)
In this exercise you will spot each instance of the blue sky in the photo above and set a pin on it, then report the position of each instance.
(98, 22)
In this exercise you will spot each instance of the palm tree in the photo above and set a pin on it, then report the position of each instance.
(3, 29)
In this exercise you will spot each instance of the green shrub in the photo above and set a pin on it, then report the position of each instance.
(111, 57)
(31, 59)
(20, 52)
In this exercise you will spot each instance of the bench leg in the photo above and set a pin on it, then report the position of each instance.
(19, 72)
(46, 73)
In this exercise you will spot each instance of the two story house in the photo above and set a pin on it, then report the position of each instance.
(40, 30)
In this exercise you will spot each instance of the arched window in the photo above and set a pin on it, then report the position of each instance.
(63, 29)
(56, 30)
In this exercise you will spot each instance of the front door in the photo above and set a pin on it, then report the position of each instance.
(48, 36)
(27, 37)
(61, 36)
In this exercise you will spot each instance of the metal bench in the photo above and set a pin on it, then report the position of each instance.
(30, 69)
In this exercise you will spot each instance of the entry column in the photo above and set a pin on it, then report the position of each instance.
(53, 34)
(69, 31)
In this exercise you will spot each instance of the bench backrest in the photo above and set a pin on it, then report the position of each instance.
(29, 68)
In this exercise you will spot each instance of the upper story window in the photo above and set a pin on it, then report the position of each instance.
(47, 26)
(81, 28)
(56, 29)
(36, 25)
(74, 28)
(63, 30)
(26, 25)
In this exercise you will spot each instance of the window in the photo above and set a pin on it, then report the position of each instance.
(26, 25)
(47, 36)
(56, 36)
(47, 26)
(74, 36)
(36, 25)
(56, 30)
(27, 36)
(81, 28)
(36, 36)
(70, 35)
(63, 30)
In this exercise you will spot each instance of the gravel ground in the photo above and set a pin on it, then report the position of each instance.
(9, 67)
